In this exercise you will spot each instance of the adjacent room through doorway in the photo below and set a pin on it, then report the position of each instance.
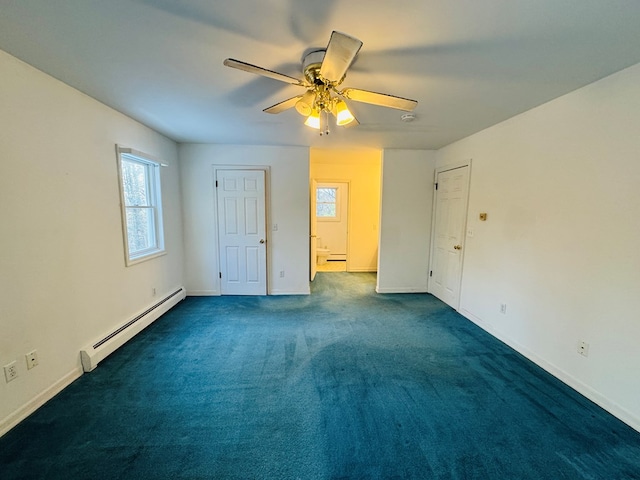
(345, 210)
(332, 218)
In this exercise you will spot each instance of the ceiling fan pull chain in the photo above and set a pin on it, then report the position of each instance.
(324, 118)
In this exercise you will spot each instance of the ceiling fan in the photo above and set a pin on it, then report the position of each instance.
(324, 71)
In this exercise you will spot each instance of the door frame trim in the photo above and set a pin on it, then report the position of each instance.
(348, 182)
(441, 169)
(267, 215)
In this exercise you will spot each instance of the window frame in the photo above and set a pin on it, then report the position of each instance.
(153, 202)
(335, 218)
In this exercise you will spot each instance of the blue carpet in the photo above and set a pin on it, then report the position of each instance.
(341, 384)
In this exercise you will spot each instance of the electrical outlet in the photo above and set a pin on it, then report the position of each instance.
(11, 371)
(32, 359)
(281, 273)
(503, 308)
(153, 291)
(583, 348)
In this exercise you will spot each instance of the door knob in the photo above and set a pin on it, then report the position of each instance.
(457, 247)
(262, 240)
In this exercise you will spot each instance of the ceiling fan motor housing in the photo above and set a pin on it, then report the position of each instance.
(311, 66)
(318, 97)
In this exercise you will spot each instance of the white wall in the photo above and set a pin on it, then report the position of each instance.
(405, 220)
(63, 280)
(361, 169)
(288, 198)
(561, 186)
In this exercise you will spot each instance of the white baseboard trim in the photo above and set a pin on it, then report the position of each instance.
(203, 293)
(580, 387)
(39, 400)
(400, 290)
(288, 292)
(214, 293)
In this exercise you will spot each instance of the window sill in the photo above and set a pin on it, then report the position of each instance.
(143, 258)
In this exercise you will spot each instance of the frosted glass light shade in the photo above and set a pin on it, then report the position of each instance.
(343, 115)
(313, 120)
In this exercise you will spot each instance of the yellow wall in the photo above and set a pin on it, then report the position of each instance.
(361, 168)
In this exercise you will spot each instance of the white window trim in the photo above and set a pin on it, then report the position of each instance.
(156, 195)
(336, 218)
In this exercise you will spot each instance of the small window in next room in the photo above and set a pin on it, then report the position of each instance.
(327, 204)
(141, 202)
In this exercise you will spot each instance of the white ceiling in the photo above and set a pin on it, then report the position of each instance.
(469, 63)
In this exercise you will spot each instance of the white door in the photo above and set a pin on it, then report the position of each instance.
(313, 235)
(333, 221)
(452, 190)
(242, 232)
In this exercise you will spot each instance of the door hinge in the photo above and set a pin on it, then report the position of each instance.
(436, 185)
(220, 274)
(431, 273)
(217, 184)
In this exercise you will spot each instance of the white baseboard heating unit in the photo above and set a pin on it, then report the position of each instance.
(100, 349)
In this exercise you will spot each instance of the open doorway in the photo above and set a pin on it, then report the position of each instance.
(345, 210)
(332, 226)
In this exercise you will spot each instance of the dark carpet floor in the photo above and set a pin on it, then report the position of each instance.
(341, 384)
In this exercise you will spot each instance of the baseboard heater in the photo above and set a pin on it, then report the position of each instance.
(100, 349)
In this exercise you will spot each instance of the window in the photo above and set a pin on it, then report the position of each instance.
(327, 203)
(141, 205)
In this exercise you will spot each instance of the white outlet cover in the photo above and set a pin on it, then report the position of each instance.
(583, 349)
(32, 359)
(8, 369)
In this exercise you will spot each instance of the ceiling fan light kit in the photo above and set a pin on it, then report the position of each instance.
(343, 115)
(306, 104)
(324, 71)
(313, 120)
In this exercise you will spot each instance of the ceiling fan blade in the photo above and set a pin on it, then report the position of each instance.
(381, 99)
(247, 67)
(341, 51)
(284, 105)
